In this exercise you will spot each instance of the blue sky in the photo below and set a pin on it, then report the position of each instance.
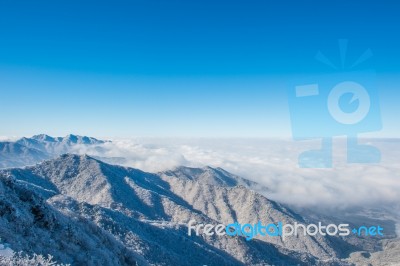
(180, 68)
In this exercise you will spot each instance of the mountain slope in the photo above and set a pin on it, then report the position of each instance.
(16, 155)
(30, 224)
(222, 198)
(148, 213)
(211, 176)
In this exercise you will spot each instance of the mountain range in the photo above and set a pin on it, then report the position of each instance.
(29, 151)
(83, 211)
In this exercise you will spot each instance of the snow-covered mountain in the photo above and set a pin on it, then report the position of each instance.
(29, 151)
(16, 155)
(72, 139)
(58, 145)
(143, 217)
(83, 211)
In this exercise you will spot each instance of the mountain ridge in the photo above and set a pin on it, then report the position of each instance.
(145, 215)
(29, 151)
(131, 200)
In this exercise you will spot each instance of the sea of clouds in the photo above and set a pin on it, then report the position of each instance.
(272, 163)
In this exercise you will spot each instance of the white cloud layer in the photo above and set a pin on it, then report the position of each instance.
(5, 138)
(272, 163)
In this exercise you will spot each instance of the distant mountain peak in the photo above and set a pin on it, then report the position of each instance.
(29, 151)
(77, 139)
(44, 137)
(71, 138)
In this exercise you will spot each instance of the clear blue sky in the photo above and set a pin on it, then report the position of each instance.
(180, 68)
